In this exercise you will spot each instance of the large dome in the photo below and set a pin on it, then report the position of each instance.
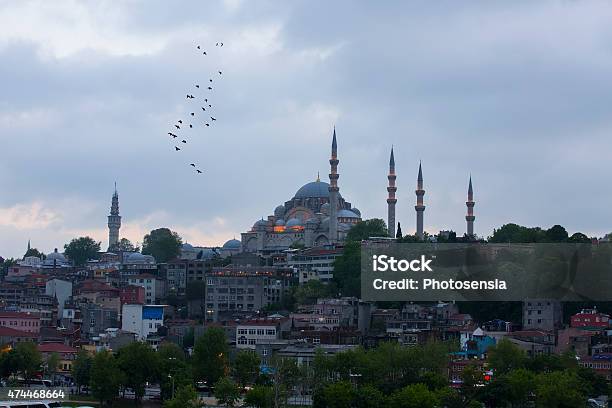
(314, 189)
(232, 244)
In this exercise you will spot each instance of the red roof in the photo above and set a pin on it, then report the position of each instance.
(95, 286)
(8, 332)
(18, 315)
(56, 348)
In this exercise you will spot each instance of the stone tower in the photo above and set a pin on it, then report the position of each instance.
(333, 192)
(469, 218)
(114, 221)
(391, 200)
(419, 207)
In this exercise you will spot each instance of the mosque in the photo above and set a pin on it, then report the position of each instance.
(316, 216)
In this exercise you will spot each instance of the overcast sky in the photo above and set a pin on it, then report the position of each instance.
(519, 94)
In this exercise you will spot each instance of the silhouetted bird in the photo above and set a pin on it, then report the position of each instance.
(210, 79)
(205, 100)
(210, 88)
(177, 126)
(180, 121)
(207, 124)
(198, 47)
(176, 148)
(184, 141)
(192, 164)
(220, 73)
(192, 113)
(217, 44)
(197, 86)
(199, 171)
(172, 134)
(204, 53)
(190, 126)
(221, 44)
(212, 118)
(203, 108)
(210, 106)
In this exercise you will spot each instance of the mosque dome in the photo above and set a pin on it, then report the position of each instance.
(314, 189)
(347, 214)
(261, 222)
(136, 257)
(325, 208)
(279, 211)
(356, 211)
(232, 244)
(293, 222)
(280, 222)
(207, 253)
(187, 247)
(56, 256)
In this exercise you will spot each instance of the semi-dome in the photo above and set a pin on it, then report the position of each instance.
(261, 222)
(314, 189)
(356, 211)
(232, 244)
(279, 211)
(293, 222)
(280, 222)
(325, 208)
(347, 214)
(136, 257)
(187, 247)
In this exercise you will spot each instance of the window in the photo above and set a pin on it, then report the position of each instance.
(252, 342)
(260, 332)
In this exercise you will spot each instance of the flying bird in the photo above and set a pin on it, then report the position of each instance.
(192, 164)
(172, 134)
(210, 79)
(212, 118)
(210, 106)
(177, 126)
(221, 44)
(217, 44)
(205, 100)
(192, 113)
(180, 121)
(184, 141)
(204, 53)
(176, 148)
(190, 126)
(207, 124)
(203, 108)
(220, 73)
(197, 86)
(210, 88)
(198, 47)
(199, 171)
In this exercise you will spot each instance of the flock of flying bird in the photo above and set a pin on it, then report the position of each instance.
(201, 110)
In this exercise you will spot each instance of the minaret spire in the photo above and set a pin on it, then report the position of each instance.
(114, 220)
(469, 218)
(333, 191)
(420, 207)
(391, 200)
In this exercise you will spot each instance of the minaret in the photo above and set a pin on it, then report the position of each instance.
(333, 192)
(391, 200)
(469, 218)
(419, 207)
(114, 221)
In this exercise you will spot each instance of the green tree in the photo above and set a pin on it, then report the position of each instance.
(82, 249)
(140, 364)
(559, 389)
(186, 397)
(124, 245)
(210, 355)
(52, 365)
(106, 377)
(81, 369)
(246, 367)
(374, 227)
(34, 252)
(227, 392)
(347, 270)
(505, 356)
(369, 396)
(414, 396)
(338, 395)
(309, 292)
(556, 234)
(514, 233)
(28, 358)
(261, 396)
(579, 238)
(163, 244)
(175, 371)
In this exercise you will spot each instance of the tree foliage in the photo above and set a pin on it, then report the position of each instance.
(106, 377)
(82, 249)
(140, 365)
(210, 355)
(163, 244)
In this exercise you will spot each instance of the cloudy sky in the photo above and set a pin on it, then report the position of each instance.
(519, 94)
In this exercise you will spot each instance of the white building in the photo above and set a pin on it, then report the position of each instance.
(153, 287)
(142, 319)
(61, 290)
(251, 332)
